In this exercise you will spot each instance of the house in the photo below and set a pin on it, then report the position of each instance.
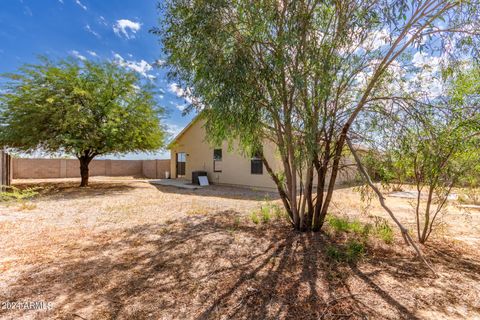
(190, 151)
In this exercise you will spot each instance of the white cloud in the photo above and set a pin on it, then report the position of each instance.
(181, 107)
(27, 11)
(81, 5)
(77, 55)
(159, 63)
(424, 60)
(173, 129)
(419, 59)
(174, 88)
(116, 56)
(376, 40)
(92, 53)
(426, 80)
(103, 21)
(126, 28)
(396, 68)
(90, 30)
(61, 1)
(142, 66)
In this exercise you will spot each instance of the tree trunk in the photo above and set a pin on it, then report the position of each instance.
(280, 188)
(305, 209)
(426, 222)
(84, 162)
(405, 234)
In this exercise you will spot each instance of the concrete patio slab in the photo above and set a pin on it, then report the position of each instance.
(413, 195)
(183, 184)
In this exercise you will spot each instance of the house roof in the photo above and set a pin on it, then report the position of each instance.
(359, 147)
(189, 125)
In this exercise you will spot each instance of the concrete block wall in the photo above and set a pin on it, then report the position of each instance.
(156, 169)
(28, 168)
(42, 168)
(149, 169)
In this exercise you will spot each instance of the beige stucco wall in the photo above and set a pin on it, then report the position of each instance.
(235, 167)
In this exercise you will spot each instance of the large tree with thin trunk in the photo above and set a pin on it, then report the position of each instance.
(301, 74)
(84, 109)
(433, 146)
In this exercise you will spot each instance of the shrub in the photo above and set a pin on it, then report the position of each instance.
(354, 250)
(265, 214)
(14, 193)
(268, 211)
(338, 224)
(356, 227)
(345, 225)
(334, 253)
(384, 232)
(278, 212)
(351, 252)
(255, 218)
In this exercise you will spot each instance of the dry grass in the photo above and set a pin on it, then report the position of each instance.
(129, 250)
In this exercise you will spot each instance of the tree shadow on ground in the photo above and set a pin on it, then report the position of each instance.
(213, 267)
(231, 192)
(220, 191)
(71, 189)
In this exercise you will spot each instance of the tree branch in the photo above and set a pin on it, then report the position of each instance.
(406, 236)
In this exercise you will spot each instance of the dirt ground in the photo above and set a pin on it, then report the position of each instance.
(126, 249)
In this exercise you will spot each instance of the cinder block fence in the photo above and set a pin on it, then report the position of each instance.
(28, 168)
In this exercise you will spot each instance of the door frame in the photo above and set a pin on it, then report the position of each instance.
(177, 163)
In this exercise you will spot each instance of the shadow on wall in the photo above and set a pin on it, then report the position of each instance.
(211, 268)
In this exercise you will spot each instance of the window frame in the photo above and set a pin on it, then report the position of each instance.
(254, 161)
(215, 159)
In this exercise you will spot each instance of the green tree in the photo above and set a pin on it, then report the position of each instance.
(299, 74)
(436, 154)
(84, 109)
(433, 146)
(465, 93)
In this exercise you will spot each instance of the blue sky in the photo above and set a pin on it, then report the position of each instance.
(90, 29)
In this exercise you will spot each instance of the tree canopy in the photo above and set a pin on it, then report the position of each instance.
(305, 75)
(84, 109)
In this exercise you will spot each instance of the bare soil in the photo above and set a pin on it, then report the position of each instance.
(126, 249)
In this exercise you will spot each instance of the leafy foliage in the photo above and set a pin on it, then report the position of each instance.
(16, 194)
(299, 74)
(435, 147)
(384, 231)
(84, 110)
(351, 252)
(254, 217)
(380, 229)
(345, 225)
